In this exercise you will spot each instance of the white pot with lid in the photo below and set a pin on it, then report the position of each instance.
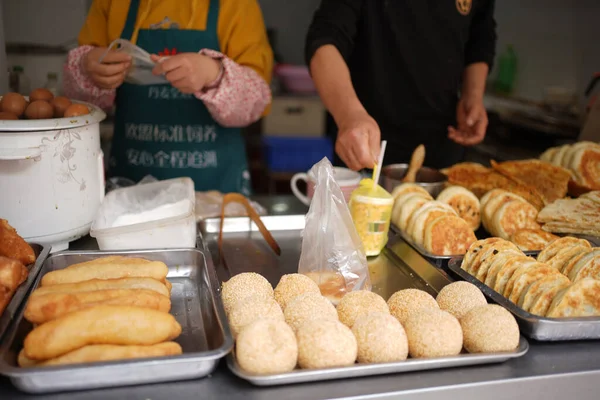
(52, 177)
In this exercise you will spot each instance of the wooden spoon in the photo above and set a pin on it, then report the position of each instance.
(416, 162)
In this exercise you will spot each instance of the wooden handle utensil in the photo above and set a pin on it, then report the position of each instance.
(416, 162)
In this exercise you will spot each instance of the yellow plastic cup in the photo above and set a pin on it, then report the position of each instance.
(371, 210)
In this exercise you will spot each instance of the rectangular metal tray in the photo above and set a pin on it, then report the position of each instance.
(438, 261)
(41, 253)
(361, 370)
(246, 250)
(196, 305)
(534, 326)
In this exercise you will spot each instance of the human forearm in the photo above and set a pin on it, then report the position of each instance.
(332, 79)
(240, 97)
(474, 78)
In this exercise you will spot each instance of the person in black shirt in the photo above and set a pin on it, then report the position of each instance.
(407, 71)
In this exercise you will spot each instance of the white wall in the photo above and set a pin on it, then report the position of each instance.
(557, 42)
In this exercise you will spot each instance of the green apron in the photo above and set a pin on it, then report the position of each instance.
(162, 132)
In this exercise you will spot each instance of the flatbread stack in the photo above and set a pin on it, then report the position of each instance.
(433, 225)
(581, 215)
(550, 181)
(532, 239)
(504, 213)
(582, 159)
(480, 180)
(464, 202)
(562, 282)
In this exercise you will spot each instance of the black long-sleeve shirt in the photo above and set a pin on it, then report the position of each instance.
(406, 60)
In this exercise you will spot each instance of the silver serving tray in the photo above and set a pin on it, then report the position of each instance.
(196, 305)
(392, 270)
(41, 253)
(361, 370)
(438, 261)
(534, 326)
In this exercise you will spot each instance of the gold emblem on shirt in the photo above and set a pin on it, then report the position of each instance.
(464, 6)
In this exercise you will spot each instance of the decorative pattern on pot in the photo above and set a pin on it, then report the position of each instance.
(63, 150)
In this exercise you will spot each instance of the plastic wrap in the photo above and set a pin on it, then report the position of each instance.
(140, 72)
(332, 252)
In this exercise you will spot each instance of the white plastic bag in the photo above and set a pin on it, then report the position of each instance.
(140, 72)
(332, 252)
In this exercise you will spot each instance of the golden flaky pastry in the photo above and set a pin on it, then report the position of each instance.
(12, 274)
(14, 246)
(581, 215)
(582, 159)
(532, 239)
(550, 181)
(480, 180)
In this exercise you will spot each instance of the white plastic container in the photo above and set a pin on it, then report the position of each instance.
(150, 216)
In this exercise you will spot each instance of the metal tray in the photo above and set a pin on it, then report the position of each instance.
(41, 253)
(196, 305)
(534, 326)
(438, 261)
(361, 370)
(246, 250)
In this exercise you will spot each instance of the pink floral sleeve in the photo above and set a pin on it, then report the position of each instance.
(77, 85)
(238, 100)
(241, 96)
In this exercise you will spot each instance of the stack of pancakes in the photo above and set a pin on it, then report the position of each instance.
(582, 159)
(503, 213)
(563, 282)
(442, 227)
(581, 215)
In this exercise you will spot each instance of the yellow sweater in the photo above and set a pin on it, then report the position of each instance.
(241, 29)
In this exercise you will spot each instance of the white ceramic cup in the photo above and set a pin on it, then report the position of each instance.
(347, 179)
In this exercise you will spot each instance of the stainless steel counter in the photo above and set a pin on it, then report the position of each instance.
(547, 371)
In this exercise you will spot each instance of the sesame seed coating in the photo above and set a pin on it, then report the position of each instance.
(244, 285)
(309, 306)
(358, 303)
(250, 309)
(267, 347)
(489, 329)
(405, 302)
(380, 338)
(325, 344)
(291, 286)
(458, 298)
(433, 333)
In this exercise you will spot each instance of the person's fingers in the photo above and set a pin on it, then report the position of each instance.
(168, 64)
(345, 155)
(109, 82)
(362, 151)
(473, 116)
(155, 58)
(374, 140)
(108, 70)
(115, 57)
(456, 135)
(176, 75)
